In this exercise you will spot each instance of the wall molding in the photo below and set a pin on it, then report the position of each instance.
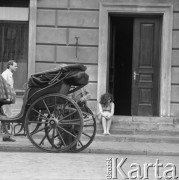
(14, 14)
(32, 37)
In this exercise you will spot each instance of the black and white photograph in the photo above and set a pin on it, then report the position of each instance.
(89, 89)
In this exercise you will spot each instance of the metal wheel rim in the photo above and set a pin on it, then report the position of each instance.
(86, 137)
(47, 140)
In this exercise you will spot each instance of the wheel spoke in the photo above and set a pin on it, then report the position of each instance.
(85, 134)
(80, 142)
(37, 122)
(38, 116)
(46, 107)
(67, 131)
(32, 133)
(55, 101)
(53, 134)
(88, 125)
(53, 137)
(61, 137)
(64, 105)
(68, 115)
(39, 113)
(70, 120)
(85, 120)
(71, 124)
(42, 141)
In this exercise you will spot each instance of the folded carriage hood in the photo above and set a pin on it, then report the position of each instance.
(71, 74)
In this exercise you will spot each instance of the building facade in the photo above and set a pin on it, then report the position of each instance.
(130, 48)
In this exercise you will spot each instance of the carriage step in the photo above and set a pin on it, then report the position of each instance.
(130, 123)
(138, 138)
(120, 131)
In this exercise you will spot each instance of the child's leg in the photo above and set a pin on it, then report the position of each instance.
(108, 125)
(104, 125)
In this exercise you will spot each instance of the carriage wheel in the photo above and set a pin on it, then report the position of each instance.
(8, 128)
(89, 130)
(13, 128)
(59, 121)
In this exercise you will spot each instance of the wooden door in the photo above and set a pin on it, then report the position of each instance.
(146, 67)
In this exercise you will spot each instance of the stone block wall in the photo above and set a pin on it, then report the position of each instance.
(58, 23)
(175, 62)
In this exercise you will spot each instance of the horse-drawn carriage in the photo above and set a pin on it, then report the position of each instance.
(52, 120)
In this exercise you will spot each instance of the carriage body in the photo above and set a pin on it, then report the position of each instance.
(52, 121)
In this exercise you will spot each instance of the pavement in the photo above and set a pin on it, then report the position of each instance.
(23, 144)
(100, 145)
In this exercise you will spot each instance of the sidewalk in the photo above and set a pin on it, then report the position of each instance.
(101, 145)
(23, 144)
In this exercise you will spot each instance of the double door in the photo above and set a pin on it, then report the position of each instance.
(134, 65)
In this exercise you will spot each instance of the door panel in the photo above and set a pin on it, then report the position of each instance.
(145, 92)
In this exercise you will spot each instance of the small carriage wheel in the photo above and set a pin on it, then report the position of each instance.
(8, 128)
(58, 118)
(89, 130)
(38, 125)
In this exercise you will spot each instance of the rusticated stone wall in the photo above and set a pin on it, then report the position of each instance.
(59, 21)
(175, 62)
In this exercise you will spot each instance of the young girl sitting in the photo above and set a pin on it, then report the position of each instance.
(106, 111)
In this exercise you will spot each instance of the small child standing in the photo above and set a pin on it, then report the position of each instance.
(106, 112)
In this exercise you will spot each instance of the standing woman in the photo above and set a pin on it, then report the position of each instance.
(106, 111)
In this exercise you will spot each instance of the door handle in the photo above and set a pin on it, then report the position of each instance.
(135, 74)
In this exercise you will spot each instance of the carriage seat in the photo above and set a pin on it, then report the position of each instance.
(5, 101)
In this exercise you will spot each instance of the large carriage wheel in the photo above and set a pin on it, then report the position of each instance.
(59, 121)
(89, 130)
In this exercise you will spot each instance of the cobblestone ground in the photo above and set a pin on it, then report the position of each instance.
(48, 166)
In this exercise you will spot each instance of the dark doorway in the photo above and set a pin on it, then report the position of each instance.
(134, 64)
(120, 63)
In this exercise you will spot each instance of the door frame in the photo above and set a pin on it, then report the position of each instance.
(166, 11)
(32, 37)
